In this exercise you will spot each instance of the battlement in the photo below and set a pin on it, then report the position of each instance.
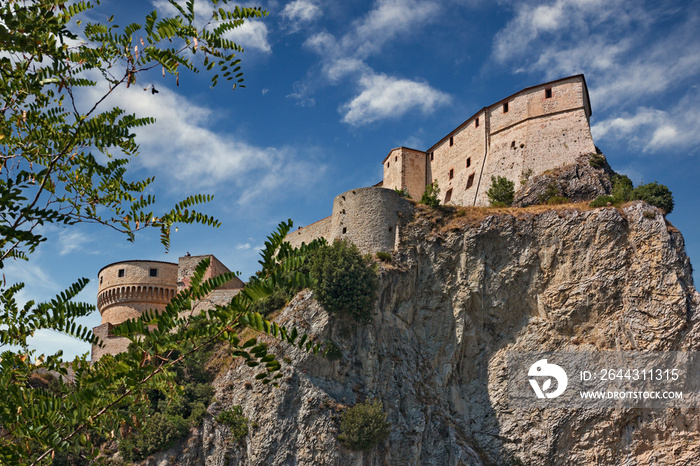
(126, 289)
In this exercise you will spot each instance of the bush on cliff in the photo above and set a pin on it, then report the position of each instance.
(363, 426)
(430, 195)
(655, 194)
(345, 282)
(501, 192)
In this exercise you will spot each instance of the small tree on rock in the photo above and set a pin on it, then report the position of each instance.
(502, 192)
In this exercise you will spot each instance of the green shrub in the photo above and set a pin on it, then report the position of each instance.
(158, 433)
(597, 161)
(271, 303)
(602, 201)
(552, 195)
(345, 282)
(363, 426)
(655, 194)
(554, 200)
(236, 421)
(384, 256)
(402, 192)
(430, 195)
(501, 192)
(623, 189)
(332, 351)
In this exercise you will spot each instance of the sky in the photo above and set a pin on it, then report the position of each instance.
(332, 87)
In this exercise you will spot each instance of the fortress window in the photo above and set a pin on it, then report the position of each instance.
(120, 273)
(469, 162)
(345, 230)
(387, 164)
(470, 181)
(431, 156)
(448, 196)
(548, 93)
(101, 280)
(396, 159)
(452, 141)
(452, 173)
(153, 272)
(505, 107)
(476, 122)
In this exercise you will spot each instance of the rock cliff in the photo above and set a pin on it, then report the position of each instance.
(463, 288)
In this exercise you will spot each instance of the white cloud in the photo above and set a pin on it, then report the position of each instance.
(383, 97)
(299, 12)
(251, 34)
(345, 57)
(72, 240)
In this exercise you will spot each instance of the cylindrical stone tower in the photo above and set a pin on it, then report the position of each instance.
(128, 288)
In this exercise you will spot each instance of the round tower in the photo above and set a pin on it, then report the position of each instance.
(128, 288)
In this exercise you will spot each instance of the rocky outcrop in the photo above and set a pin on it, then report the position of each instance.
(579, 182)
(460, 293)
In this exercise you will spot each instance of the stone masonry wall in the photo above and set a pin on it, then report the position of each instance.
(320, 229)
(187, 265)
(457, 157)
(405, 168)
(369, 218)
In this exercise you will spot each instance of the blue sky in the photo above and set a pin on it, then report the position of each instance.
(333, 86)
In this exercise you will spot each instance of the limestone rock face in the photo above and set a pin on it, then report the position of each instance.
(579, 182)
(461, 292)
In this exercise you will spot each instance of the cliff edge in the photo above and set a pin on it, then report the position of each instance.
(463, 288)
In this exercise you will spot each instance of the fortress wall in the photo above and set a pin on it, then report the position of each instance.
(405, 168)
(369, 218)
(111, 345)
(468, 147)
(188, 264)
(538, 144)
(567, 94)
(320, 229)
(126, 297)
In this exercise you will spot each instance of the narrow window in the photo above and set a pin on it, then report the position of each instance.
(548, 93)
(469, 162)
(470, 181)
(396, 159)
(153, 272)
(512, 145)
(431, 156)
(452, 173)
(120, 273)
(452, 141)
(505, 107)
(476, 122)
(448, 196)
(101, 280)
(387, 164)
(345, 230)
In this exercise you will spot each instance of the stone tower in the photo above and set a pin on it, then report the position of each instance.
(125, 290)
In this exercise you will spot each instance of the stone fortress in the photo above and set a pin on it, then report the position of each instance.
(537, 129)
(128, 288)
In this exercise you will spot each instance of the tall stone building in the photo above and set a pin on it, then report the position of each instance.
(537, 129)
(128, 288)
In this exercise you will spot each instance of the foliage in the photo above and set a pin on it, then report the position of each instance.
(431, 195)
(623, 189)
(274, 302)
(331, 350)
(602, 201)
(552, 195)
(171, 418)
(655, 194)
(384, 256)
(501, 192)
(596, 160)
(236, 421)
(402, 192)
(344, 281)
(364, 425)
